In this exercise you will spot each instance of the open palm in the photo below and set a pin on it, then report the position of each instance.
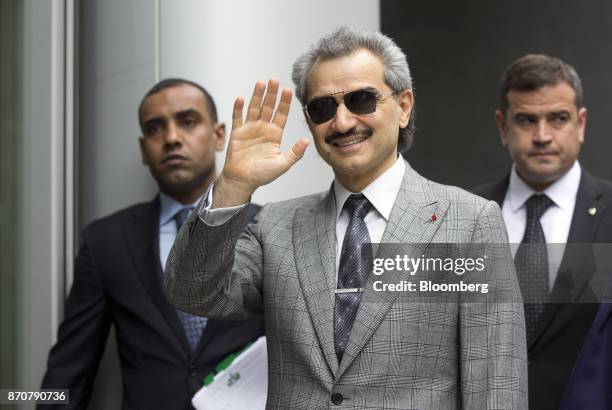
(253, 156)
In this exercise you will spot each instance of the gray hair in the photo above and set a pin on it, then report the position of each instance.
(346, 40)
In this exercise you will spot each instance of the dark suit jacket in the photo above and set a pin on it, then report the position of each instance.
(118, 280)
(563, 327)
(590, 384)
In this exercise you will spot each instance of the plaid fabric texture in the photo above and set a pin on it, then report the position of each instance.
(401, 353)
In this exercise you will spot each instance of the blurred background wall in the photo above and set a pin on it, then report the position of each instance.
(457, 51)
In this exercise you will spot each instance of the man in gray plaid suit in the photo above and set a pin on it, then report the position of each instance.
(333, 340)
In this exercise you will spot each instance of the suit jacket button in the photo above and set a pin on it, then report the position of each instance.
(337, 398)
(193, 372)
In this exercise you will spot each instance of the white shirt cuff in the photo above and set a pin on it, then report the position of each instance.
(218, 216)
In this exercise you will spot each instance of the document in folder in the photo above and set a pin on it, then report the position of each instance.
(242, 385)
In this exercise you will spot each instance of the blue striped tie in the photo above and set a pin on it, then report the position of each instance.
(354, 266)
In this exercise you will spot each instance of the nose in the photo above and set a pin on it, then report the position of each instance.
(172, 135)
(344, 119)
(543, 133)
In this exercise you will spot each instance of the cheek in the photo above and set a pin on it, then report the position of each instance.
(203, 146)
(319, 134)
(322, 148)
(206, 153)
(151, 153)
(573, 147)
(516, 154)
(518, 144)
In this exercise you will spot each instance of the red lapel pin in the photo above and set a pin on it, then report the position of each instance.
(434, 217)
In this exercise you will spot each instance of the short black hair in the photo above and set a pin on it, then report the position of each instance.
(534, 71)
(175, 82)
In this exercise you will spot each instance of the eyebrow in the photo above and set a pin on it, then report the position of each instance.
(154, 120)
(180, 114)
(531, 115)
(187, 112)
(559, 112)
(368, 88)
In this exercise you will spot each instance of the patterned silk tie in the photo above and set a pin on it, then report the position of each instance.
(193, 325)
(352, 273)
(532, 263)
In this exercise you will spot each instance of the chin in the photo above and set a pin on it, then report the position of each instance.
(348, 166)
(178, 180)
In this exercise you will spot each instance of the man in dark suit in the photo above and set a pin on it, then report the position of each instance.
(549, 198)
(165, 353)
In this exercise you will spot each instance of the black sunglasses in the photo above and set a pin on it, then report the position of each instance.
(323, 109)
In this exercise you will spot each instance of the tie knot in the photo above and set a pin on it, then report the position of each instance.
(181, 216)
(358, 205)
(537, 205)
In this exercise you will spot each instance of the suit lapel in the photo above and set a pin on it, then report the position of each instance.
(208, 333)
(314, 236)
(588, 214)
(411, 223)
(584, 223)
(143, 240)
(577, 266)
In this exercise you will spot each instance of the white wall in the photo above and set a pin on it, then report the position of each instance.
(228, 45)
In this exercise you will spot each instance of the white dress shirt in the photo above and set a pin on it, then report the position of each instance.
(381, 193)
(555, 221)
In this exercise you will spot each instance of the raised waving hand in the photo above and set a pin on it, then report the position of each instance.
(253, 156)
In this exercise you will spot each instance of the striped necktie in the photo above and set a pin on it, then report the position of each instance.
(352, 273)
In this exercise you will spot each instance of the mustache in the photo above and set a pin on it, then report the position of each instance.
(353, 132)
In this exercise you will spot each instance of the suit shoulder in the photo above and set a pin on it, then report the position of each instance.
(485, 190)
(116, 219)
(303, 202)
(277, 212)
(598, 188)
(606, 187)
(458, 196)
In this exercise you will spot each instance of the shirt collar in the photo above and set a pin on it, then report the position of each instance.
(169, 208)
(562, 192)
(381, 192)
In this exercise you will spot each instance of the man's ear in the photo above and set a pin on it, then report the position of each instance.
(500, 120)
(406, 102)
(219, 133)
(582, 118)
(143, 156)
